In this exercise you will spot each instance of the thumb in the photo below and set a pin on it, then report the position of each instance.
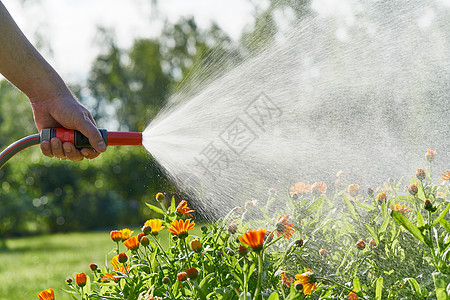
(89, 130)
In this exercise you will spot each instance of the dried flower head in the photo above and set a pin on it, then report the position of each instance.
(308, 281)
(80, 279)
(412, 189)
(183, 209)
(47, 294)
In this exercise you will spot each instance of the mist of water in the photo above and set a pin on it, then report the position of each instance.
(367, 93)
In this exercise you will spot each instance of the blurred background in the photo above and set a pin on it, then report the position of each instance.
(123, 59)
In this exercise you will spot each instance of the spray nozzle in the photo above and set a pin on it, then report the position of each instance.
(111, 138)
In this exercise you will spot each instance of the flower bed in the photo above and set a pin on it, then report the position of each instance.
(392, 243)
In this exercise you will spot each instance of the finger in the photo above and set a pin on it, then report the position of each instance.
(93, 134)
(46, 149)
(89, 153)
(71, 152)
(57, 148)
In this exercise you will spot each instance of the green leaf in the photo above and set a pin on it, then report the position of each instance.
(445, 224)
(365, 206)
(415, 286)
(155, 208)
(379, 288)
(420, 220)
(404, 198)
(350, 207)
(440, 283)
(356, 285)
(274, 296)
(315, 206)
(408, 225)
(172, 205)
(373, 233)
(384, 224)
(442, 215)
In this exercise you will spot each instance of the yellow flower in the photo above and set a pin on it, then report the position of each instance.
(284, 227)
(132, 243)
(117, 265)
(126, 234)
(254, 239)
(400, 208)
(180, 228)
(308, 281)
(47, 294)
(183, 209)
(155, 225)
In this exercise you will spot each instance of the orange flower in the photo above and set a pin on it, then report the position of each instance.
(47, 294)
(132, 243)
(155, 225)
(352, 296)
(110, 277)
(381, 197)
(431, 154)
(116, 235)
(285, 280)
(308, 281)
(284, 227)
(126, 234)
(183, 209)
(320, 187)
(300, 188)
(80, 279)
(180, 228)
(254, 239)
(446, 176)
(400, 208)
(119, 267)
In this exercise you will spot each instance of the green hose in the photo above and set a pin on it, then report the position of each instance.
(15, 147)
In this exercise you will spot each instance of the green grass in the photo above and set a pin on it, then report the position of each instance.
(32, 264)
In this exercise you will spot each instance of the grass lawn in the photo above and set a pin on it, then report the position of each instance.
(32, 264)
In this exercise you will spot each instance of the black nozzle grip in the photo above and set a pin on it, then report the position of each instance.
(81, 141)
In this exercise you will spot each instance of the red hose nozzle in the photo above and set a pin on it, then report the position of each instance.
(112, 138)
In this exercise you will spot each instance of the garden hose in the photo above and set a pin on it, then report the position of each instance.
(111, 138)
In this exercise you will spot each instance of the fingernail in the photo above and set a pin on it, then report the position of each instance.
(101, 146)
(54, 144)
(46, 146)
(67, 148)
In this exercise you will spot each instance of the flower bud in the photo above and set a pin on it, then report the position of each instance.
(182, 276)
(147, 230)
(204, 229)
(122, 258)
(420, 174)
(93, 267)
(145, 241)
(160, 197)
(140, 236)
(412, 189)
(430, 155)
(370, 192)
(372, 243)
(381, 197)
(232, 228)
(192, 273)
(69, 280)
(230, 252)
(428, 205)
(116, 235)
(166, 280)
(360, 245)
(353, 190)
(196, 246)
(242, 250)
(299, 243)
(80, 279)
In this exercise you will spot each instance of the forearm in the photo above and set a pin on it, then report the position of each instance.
(22, 64)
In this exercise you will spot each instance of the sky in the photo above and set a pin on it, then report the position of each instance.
(70, 26)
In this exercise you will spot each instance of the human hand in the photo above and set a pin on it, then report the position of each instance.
(65, 111)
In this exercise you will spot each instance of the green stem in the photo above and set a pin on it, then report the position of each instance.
(260, 271)
(339, 285)
(430, 236)
(245, 269)
(162, 250)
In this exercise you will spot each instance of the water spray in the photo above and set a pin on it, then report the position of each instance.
(111, 138)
